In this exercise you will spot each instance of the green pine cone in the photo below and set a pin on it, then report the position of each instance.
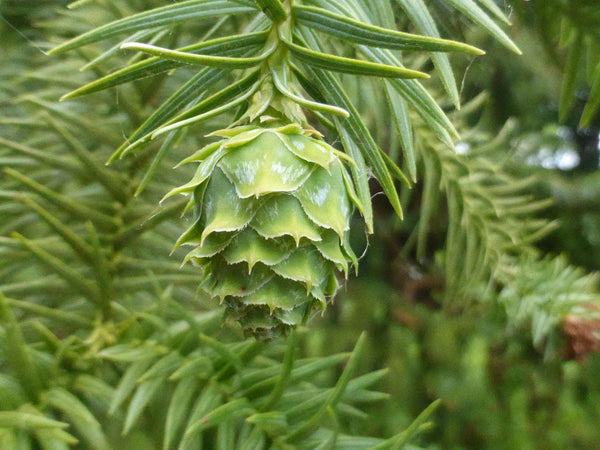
(272, 211)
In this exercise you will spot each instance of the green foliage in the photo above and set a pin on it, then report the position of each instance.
(574, 25)
(106, 340)
(498, 392)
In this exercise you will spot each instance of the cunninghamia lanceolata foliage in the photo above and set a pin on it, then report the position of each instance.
(272, 210)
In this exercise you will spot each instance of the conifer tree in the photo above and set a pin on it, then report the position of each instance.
(146, 306)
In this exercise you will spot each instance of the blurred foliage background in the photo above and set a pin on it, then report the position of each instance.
(500, 391)
(525, 116)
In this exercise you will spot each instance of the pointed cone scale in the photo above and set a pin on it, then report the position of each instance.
(201, 154)
(293, 316)
(263, 166)
(197, 200)
(325, 200)
(283, 215)
(191, 236)
(309, 149)
(234, 280)
(212, 245)
(242, 139)
(330, 248)
(305, 265)
(224, 210)
(232, 132)
(331, 285)
(205, 170)
(278, 293)
(248, 246)
(290, 128)
(255, 317)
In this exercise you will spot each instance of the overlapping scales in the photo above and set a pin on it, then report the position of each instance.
(273, 208)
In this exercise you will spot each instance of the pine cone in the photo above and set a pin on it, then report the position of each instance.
(272, 210)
